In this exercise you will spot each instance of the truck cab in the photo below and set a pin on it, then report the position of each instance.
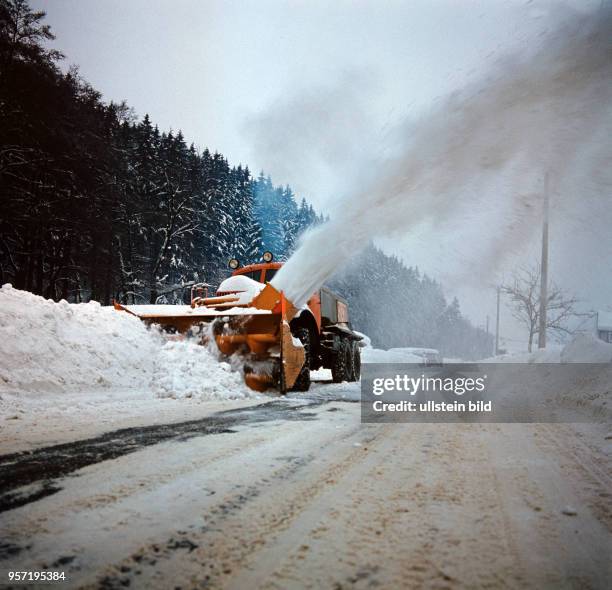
(262, 272)
(322, 325)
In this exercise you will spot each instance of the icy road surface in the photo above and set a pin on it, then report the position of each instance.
(296, 493)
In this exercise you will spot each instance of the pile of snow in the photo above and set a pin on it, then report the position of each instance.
(583, 348)
(586, 348)
(550, 354)
(53, 347)
(185, 369)
(583, 389)
(48, 347)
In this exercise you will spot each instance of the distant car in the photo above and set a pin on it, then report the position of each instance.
(432, 358)
(429, 357)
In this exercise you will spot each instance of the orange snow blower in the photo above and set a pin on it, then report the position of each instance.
(278, 343)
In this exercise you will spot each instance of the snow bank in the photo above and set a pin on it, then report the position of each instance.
(550, 354)
(53, 347)
(369, 354)
(49, 348)
(583, 348)
(582, 390)
(586, 348)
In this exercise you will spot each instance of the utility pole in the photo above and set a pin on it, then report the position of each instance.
(497, 322)
(544, 268)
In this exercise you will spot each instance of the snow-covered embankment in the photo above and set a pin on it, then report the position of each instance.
(48, 347)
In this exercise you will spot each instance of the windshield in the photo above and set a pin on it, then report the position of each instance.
(270, 274)
(254, 274)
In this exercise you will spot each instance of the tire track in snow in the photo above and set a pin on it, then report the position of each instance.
(29, 476)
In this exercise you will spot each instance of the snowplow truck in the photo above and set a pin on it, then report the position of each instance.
(277, 343)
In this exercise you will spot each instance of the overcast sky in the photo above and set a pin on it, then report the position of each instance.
(228, 72)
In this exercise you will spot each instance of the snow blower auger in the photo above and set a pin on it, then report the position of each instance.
(278, 343)
(259, 330)
(275, 358)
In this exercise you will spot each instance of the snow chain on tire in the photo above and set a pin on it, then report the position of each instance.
(339, 368)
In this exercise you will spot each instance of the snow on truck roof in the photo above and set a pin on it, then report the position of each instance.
(241, 283)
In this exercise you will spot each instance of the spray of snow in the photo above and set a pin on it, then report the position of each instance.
(487, 147)
(48, 347)
(185, 369)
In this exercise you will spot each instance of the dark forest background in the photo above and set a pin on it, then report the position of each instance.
(99, 205)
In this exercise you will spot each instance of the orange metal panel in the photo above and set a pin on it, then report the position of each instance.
(314, 303)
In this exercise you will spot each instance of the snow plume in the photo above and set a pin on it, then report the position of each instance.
(186, 369)
(322, 123)
(486, 148)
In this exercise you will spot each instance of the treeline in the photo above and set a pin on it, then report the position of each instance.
(97, 205)
(398, 306)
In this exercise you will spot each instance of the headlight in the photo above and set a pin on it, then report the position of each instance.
(268, 256)
(233, 263)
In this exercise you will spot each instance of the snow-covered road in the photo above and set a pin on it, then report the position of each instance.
(296, 493)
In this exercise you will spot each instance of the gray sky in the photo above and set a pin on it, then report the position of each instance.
(228, 72)
(211, 68)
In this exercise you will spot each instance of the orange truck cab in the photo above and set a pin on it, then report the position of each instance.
(322, 326)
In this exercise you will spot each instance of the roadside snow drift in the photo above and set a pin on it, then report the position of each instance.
(582, 348)
(49, 347)
(586, 348)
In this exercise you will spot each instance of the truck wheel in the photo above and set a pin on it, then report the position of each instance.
(340, 366)
(356, 361)
(302, 383)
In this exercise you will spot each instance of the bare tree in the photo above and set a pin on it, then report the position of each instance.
(524, 292)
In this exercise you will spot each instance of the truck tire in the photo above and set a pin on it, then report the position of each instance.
(302, 383)
(356, 361)
(340, 367)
